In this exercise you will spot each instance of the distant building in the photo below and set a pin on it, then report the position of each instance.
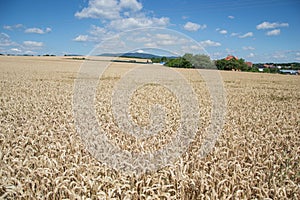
(249, 64)
(269, 66)
(230, 57)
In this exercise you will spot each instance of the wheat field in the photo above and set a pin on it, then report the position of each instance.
(42, 156)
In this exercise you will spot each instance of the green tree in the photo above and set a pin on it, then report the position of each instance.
(199, 61)
(242, 65)
(179, 62)
(232, 64)
(164, 59)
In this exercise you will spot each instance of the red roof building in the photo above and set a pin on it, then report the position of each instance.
(249, 64)
(229, 57)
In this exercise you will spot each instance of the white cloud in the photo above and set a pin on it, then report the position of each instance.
(268, 25)
(209, 43)
(38, 30)
(163, 36)
(16, 26)
(16, 50)
(131, 5)
(234, 34)
(231, 17)
(30, 52)
(167, 42)
(48, 30)
(33, 44)
(190, 26)
(95, 34)
(34, 30)
(7, 27)
(223, 32)
(249, 34)
(138, 22)
(150, 45)
(248, 48)
(5, 40)
(251, 55)
(109, 9)
(273, 32)
(278, 55)
(81, 38)
(191, 48)
(140, 51)
(196, 47)
(97, 31)
(162, 39)
(100, 9)
(142, 39)
(116, 16)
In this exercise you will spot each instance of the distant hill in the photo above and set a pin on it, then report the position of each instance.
(140, 55)
(132, 55)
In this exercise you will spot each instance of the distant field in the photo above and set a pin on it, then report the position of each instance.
(42, 156)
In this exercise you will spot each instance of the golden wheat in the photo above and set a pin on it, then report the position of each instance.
(42, 156)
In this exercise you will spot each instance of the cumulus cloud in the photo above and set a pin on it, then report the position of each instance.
(249, 34)
(268, 25)
(223, 32)
(97, 31)
(120, 14)
(38, 30)
(209, 43)
(47, 30)
(163, 36)
(231, 17)
(81, 38)
(16, 26)
(33, 44)
(34, 30)
(161, 39)
(273, 32)
(108, 9)
(151, 45)
(251, 55)
(234, 34)
(190, 26)
(130, 5)
(9, 46)
(5, 40)
(140, 51)
(138, 22)
(16, 50)
(278, 55)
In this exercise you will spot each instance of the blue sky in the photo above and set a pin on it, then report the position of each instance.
(258, 31)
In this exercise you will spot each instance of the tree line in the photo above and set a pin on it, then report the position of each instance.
(186, 61)
(230, 63)
(201, 61)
